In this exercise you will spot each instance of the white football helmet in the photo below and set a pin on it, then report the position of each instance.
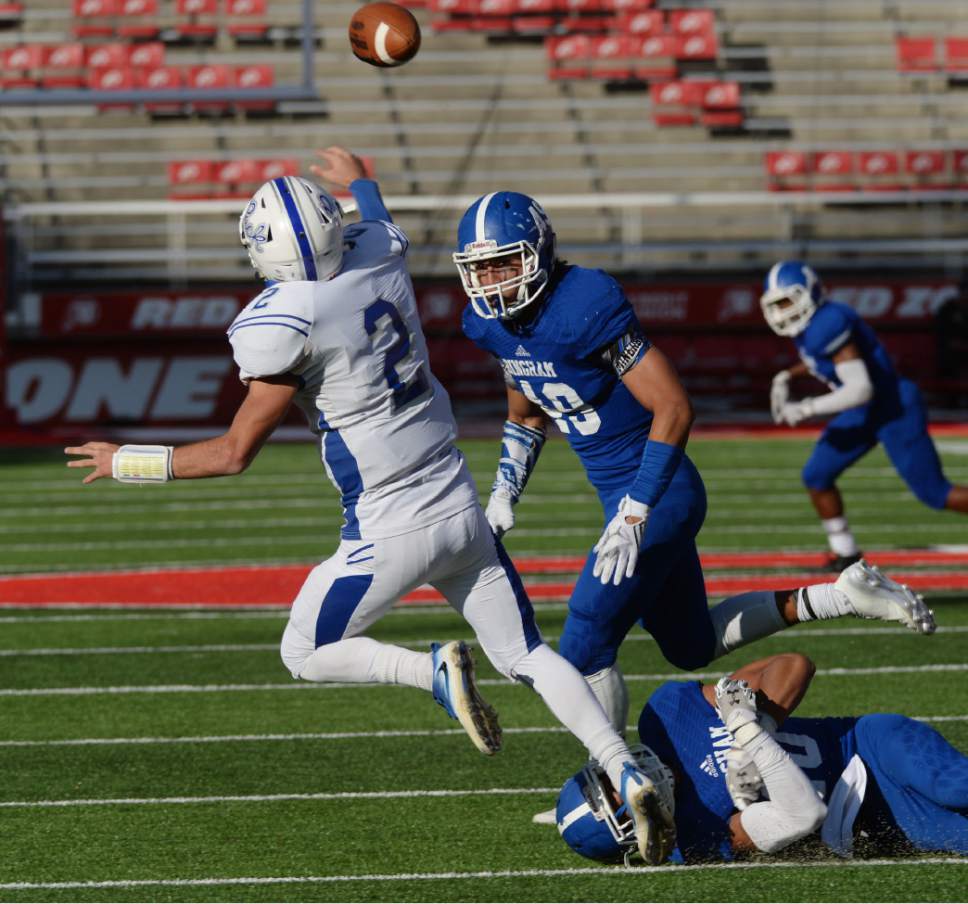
(293, 230)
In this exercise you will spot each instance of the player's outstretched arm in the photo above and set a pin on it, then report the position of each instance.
(343, 170)
(231, 453)
(523, 439)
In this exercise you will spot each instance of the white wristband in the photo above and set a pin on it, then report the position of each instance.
(142, 464)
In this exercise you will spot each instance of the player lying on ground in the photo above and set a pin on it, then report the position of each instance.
(572, 350)
(872, 402)
(337, 332)
(738, 784)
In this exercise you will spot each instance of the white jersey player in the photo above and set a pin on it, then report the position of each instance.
(338, 333)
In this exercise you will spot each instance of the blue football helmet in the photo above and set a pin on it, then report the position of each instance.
(510, 227)
(590, 819)
(792, 292)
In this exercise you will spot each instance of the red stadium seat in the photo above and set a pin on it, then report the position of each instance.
(273, 169)
(916, 54)
(211, 77)
(569, 56)
(11, 13)
(956, 54)
(237, 178)
(787, 170)
(138, 20)
(112, 78)
(676, 103)
(692, 21)
(657, 57)
(642, 22)
(833, 171)
(95, 18)
(580, 6)
(697, 46)
(161, 78)
(147, 56)
(190, 179)
(722, 106)
(259, 75)
(105, 56)
(21, 66)
(200, 26)
(929, 169)
(534, 7)
(247, 19)
(64, 66)
(612, 56)
(623, 6)
(879, 170)
(959, 164)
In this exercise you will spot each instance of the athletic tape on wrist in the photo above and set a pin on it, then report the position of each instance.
(142, 464)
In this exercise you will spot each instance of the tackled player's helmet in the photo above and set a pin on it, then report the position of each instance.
(792, 292)
(590, 820)
(509, 225)
(293, 230)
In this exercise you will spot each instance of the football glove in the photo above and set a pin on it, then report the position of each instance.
(736, 703)
(743, 779)
(793, 413)
(500, 512)
(779, 395)
(618, 548)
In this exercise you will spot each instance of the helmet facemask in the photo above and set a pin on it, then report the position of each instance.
(788, 309)
(491, 299)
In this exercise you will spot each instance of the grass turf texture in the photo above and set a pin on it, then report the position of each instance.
(282, 510)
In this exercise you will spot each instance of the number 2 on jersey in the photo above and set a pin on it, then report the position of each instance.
(403, 391)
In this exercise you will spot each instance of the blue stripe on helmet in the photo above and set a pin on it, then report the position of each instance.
(305, 249)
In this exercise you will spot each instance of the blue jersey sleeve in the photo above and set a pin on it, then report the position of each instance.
(475, 328)
(602, 314)
(369, 201)
(830, 329)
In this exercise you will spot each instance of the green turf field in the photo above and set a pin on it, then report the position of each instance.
(172, 749)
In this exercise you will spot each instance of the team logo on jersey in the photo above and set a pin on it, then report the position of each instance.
(529, 368)
(522, 352)
(708, 765)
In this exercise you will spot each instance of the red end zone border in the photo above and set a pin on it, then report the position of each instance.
(278, 585)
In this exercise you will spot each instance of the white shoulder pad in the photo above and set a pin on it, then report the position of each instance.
(271, 334)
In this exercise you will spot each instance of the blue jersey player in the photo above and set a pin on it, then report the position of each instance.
(740, 784)
(870, 401)
(572, 350)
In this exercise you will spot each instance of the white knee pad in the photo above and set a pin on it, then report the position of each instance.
(295, 649)
(610, 690)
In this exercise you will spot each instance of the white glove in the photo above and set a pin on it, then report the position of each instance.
(500, 512)
(743, 779)
(618, 547)
(793, 413)
(779, 395)
(736, 703)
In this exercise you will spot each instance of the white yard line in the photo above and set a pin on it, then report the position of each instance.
(605, 872)
(325, 736)
(638, 637)
(486, 682)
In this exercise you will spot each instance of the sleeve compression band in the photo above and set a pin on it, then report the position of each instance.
(369, 201)
(659, 463)
(520, 447)
(856, 389)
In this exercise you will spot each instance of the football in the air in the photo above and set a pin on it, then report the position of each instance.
(384, 34)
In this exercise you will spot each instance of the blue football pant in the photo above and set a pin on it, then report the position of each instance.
(922, 778)
(899, 423)
(667, 593)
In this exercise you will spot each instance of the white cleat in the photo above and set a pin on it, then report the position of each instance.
(655, 829)
(874, 595)
(546, 817)
(456, 691)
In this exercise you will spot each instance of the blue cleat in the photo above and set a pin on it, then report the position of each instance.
(455, 690)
